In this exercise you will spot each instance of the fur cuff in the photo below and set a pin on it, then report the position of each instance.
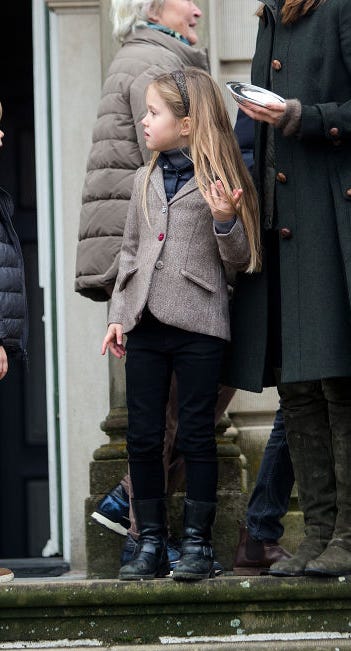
(290, 121)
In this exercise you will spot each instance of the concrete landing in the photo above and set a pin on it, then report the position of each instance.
(228, 612)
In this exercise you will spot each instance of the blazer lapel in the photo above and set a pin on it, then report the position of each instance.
(156, 179)
(189, 186)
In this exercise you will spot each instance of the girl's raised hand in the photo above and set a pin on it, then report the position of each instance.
(222, 210)
(114, 340)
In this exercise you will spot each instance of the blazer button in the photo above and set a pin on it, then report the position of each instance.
(276, 65)
(159, 264)
(161, 237)
(285, 233)
(334, 132)
(348, 193)
(281, 177)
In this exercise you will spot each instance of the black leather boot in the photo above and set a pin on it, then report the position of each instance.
(151, 559)
(196, 559)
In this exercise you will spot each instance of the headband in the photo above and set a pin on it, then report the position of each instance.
(179, 78)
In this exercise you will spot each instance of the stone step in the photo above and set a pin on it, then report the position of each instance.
(223, 613)
(313, 644)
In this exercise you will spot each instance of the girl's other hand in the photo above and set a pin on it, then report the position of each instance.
(222, 210)
(270, 113)
(114, 341)
(3, 362)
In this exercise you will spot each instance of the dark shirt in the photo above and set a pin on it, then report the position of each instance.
(177, 170)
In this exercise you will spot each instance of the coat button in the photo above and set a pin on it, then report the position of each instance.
(276, 65)
(161, 237)
(159, 264)
(281, 177)
(164, 209)
(334, 133)
(348, 193)
(285, 233)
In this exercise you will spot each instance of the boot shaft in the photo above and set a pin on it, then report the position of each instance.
(151, 517)
(199, 518)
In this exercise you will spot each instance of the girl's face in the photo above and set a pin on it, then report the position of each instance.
(180, 16)
(162, 130)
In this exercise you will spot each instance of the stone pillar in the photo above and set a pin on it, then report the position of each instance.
(75, 82)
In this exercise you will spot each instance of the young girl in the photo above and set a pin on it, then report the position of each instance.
(192, 222)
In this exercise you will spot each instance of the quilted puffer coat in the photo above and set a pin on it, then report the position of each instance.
(13, 306)
(118, 150)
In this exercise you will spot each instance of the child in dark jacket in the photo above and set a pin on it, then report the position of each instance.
(13, 307)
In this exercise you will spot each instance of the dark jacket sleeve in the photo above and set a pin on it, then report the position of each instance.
(319, 120)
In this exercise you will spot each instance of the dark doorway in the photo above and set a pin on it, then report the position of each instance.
(24, 502)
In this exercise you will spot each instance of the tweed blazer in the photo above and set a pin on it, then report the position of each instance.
(175, 262)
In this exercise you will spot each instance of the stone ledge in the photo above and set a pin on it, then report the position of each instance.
(115, 612)
(335, 643)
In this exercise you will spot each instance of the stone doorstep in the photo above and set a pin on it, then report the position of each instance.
(315, 644)
(228, 608)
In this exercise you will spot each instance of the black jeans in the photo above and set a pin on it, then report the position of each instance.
(154, 351)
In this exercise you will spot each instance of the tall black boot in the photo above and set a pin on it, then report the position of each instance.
(150, 560)
(196, 560)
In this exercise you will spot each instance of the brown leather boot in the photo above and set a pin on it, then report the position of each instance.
(255, 556)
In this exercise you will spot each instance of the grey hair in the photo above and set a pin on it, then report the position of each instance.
(126, 15)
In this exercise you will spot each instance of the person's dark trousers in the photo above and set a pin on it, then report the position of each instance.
(154, 350)
(269, 501)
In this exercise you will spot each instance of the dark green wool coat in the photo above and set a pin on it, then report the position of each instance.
(309, 60)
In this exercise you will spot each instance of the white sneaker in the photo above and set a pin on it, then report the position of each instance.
(6, 575)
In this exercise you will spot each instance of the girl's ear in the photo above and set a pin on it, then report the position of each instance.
(186, 123)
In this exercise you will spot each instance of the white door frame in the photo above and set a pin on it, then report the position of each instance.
(48, 165)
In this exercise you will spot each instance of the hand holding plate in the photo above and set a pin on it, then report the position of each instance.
(270, 113)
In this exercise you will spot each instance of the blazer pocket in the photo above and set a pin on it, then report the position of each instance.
(198, 281)
(126, 278)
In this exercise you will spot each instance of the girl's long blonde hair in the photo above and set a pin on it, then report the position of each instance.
(213, 147)
(294, 9)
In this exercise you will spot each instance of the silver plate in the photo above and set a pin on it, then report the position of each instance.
(244, 93)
